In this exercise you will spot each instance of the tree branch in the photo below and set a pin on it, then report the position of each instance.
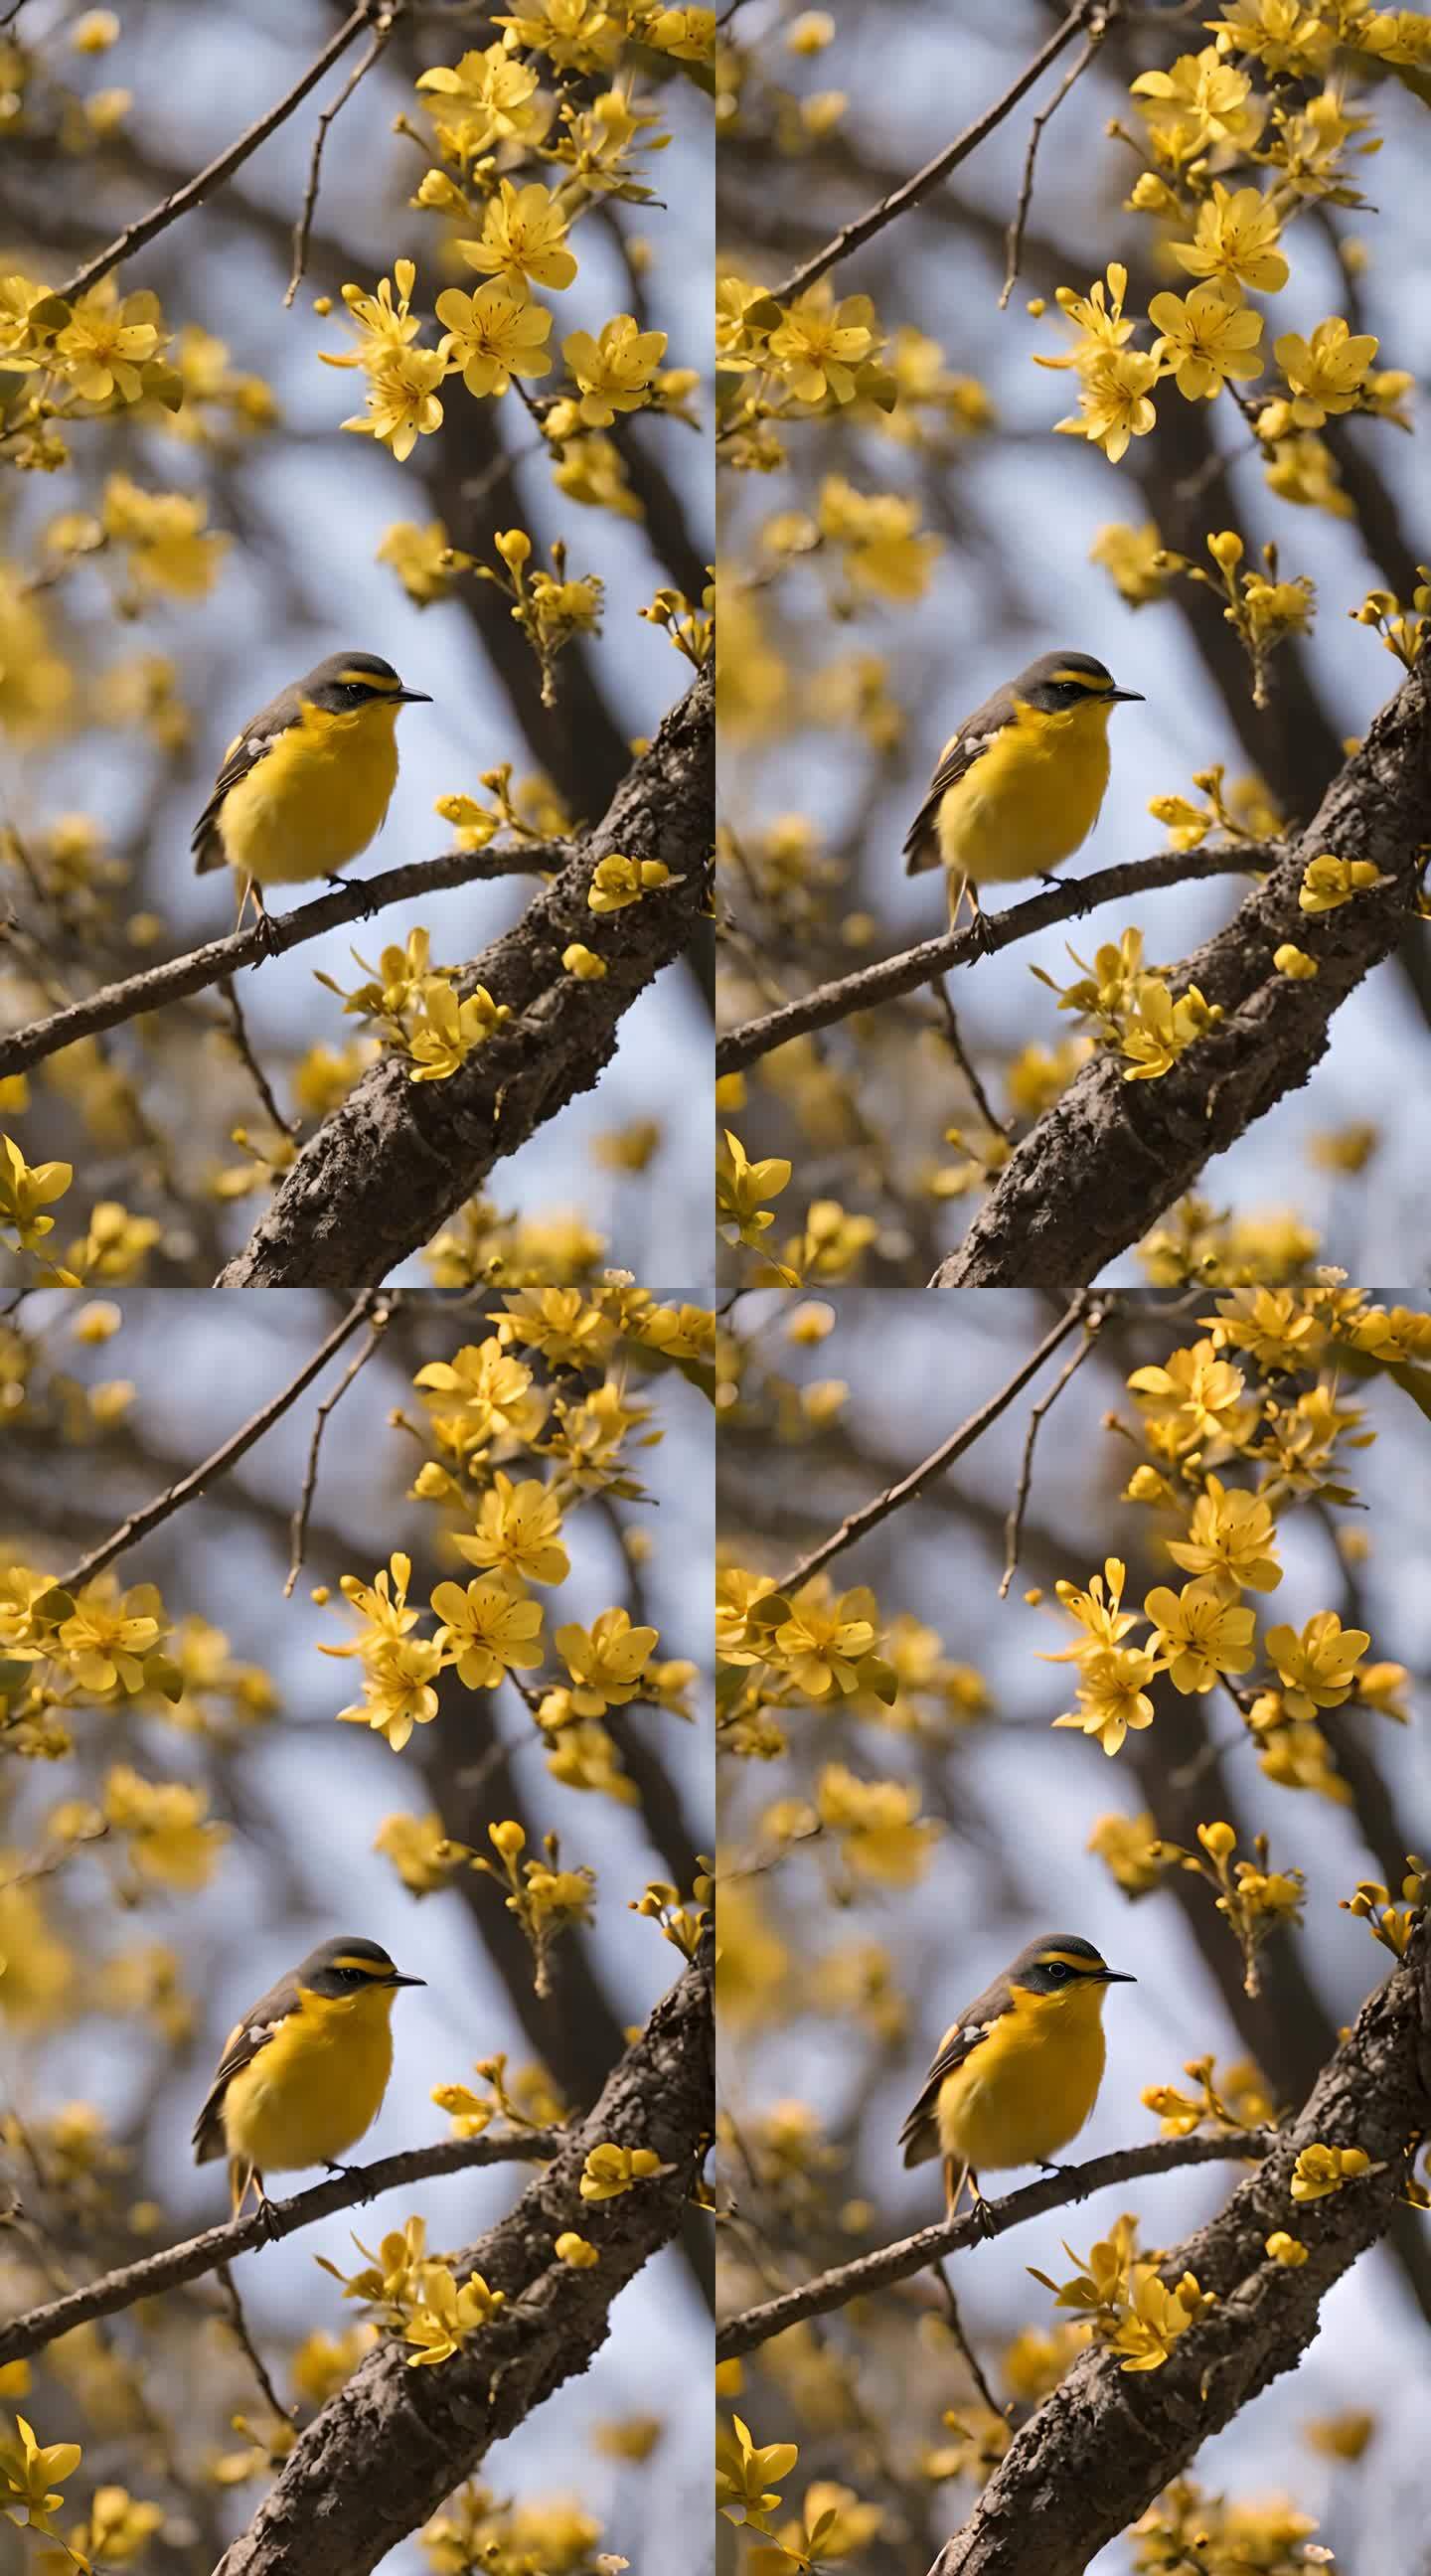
(385, 2451)
(378, 1177)
(892, 976)
(911, 2254)
(217, 2246)
(1111, 1155)
(853, 236)
(1105, 2443)
(147, 227)
(857, 1524)
(219, 959)
(173, 1499)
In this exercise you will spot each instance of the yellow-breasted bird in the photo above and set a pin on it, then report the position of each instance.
(304, 2073)
(1018, 789)
(305, 786)
(1018, 2073)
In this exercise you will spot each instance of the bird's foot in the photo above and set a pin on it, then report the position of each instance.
(983, 2217)
(264, 2213)
(983, 933)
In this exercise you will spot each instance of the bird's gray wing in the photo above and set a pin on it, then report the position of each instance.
(921, 842)
(244, 753)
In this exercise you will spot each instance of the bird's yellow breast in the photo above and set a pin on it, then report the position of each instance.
(316, 799)
(1023, 2092)
(1031, 799)
(315, 2086)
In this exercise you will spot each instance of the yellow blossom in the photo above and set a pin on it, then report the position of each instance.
(1235, 242)
(610, 2170)
(1285, 2249)
(1328, 882)
(492, 1626)
(1199, 1637)
(1231, 1537)
(1318, 1668)
(1204, 340)
(606, 1661)
(614, 372)
(522, 238)
(1325, 373)
(493, 336)
(519, 1529)
(1320, 2171)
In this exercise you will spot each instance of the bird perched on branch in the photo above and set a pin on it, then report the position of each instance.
(304, 2073)
(1018, 2073)
(1018, 789)
(304, 788)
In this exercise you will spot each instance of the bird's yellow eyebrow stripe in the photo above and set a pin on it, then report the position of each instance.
(367, 680)
(1064, 1959)
(365, 1967)
(1081, 680)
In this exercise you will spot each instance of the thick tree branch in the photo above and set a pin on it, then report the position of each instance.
(1104, 2443)
(386, 2450)
(219, 959)
(911, 2254)
(217, 2246)
(854, 235)
(203, 184)
(892, 976)
(1111, 1155)
(382, 1172)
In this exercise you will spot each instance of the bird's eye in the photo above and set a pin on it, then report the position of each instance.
(1057, 1971)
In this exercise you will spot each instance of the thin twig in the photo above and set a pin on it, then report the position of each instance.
(261, 1084)
(220, 957)
(1014, 1527)
(911, 2254)
(239, 2323)
(302, 230)
(853, 236)
(955, 2324)
(1097, 30)
(204, 2253)
(869, 1515)
(915, 966)
(173, 1499)
(965, 1062)
(144, 230)
(382, 1317)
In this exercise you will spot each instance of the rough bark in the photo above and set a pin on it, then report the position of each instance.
(380, 1175)
(1111, 1155)
(1104, 2444)
(386, 2450)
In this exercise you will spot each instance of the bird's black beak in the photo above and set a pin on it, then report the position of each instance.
(412, 698)
(1137, 697)
(398, 1979)
(1118, 1977)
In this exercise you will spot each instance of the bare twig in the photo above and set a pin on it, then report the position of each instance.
(963, 1059)
(237, 2320)
(1098, 23)
(853, 236)
(382, 1317)
(868, 1517)
(217, 2245)
(147, 227)
(386, 21)
(260, 1080)
(1092, 1327)
(955, 2324)
(164, 1505)
(911, 2254)
(915, 966)
(220, 957)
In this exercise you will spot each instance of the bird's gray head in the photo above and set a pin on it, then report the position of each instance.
(1059, 682)
(1059, 1962)
(350, 1966)
(348, 681)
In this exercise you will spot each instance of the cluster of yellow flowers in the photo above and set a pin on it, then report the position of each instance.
(1119, 2294)
(485, 1410)
(1133, 1008)
(1188, 2527)
(486, 114)
(1261, 1388)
